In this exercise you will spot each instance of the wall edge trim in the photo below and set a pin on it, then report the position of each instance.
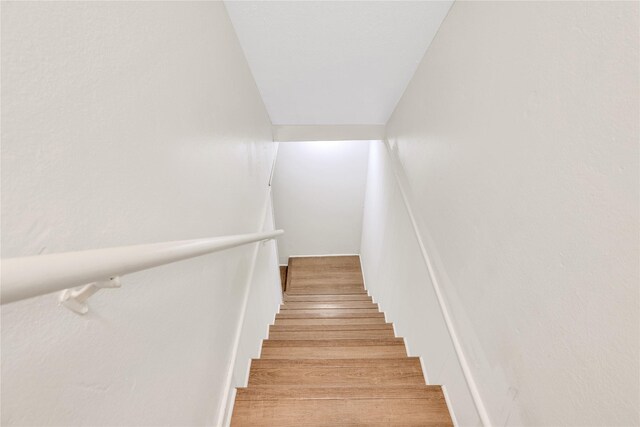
(225, 409)
(462, 359)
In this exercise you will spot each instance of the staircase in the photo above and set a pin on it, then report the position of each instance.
(331, 359)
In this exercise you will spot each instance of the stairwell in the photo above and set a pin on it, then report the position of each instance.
(332, 359)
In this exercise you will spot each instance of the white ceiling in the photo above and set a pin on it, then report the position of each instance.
(334, 62)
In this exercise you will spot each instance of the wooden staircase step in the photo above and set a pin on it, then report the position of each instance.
(323, 269)
(336, 372)
(334, 343)
(327, 297)
(329, 321)
(327, 279)
(332, 261)
(339, 327)
(404, 361)
(308, 305)
(323, 314)
(332, 359)
(311, 351)
(271, 392)
(325, 275)
(342, 412)
(324, 334)
(327, 290)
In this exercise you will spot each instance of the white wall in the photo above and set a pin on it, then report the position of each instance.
(518, 136)
(318, 196)
(397, 277)
(264, 297)
(125, 123)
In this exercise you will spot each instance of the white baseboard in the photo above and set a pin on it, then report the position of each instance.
(321, 256)
(448, 402)
(364, 281)
(396, 168)
(226, 405)
(228, 398)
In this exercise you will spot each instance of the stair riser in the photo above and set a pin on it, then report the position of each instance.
(320, 321)
(402, 362)
(326, 291)
(336, 376)
(391, 351)
(299, 392)
(326, 298)
(334, 343)
(323, 314)
(329, 305)
(323, 328)
(337, 335)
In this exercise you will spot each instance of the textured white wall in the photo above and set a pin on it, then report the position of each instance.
(519, 139)
(125, 123)
(318, 197)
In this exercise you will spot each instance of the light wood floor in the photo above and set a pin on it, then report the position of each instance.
(331, 359)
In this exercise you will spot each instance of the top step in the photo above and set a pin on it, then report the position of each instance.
(325, 275)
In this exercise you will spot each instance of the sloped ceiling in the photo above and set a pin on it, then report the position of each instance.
(334, 62)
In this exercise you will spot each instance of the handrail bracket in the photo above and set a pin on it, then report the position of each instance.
(76, 299)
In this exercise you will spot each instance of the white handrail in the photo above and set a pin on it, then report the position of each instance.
(28, 277)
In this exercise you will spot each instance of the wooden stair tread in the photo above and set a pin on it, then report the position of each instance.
(314, 314)
(336, 372)
(334, 343)
(337, 376)
(410, 362)
(339, 327)
(336, 335)
(323, 275)
(308, 305)
(329, 321)
(341, 412)
(326, 291)
(332, 359)
(326, 297)
(327, 279)
(341, 352)
(303, 392)
(348, 261)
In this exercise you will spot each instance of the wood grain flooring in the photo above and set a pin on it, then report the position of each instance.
(332, 359)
